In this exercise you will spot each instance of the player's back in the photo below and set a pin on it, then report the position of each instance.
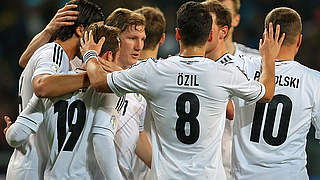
(188, 98)
(68, 121)
(273, 144)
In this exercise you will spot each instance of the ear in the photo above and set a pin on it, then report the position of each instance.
(178, 34)
(163, 38)
(79, 31)
(210, 36)
(223, 32)
(235, 20)
(299, 41)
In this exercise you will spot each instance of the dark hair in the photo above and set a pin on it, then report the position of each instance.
(155, 26)
(194, 22)
(88, 13)
(111, 35)
(289, 21)
(223, 15)
(123, 18)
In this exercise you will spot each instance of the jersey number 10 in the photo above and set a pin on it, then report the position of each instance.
(270, 119)
(61, 107)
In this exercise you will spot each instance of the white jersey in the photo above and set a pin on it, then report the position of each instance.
(188, 98)
(28, 161)
(270, 138)
(68, 121)
(241, 51)
(244, 51)
(130, 124)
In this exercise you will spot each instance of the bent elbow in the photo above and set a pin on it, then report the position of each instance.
(266, 98)
(40, 89)
(11, 139)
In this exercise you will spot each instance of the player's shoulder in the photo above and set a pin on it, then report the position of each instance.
(242, 50)
(311, 73)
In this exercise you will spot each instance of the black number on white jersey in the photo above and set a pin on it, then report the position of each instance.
(61, 107)
(187, 117)
(270, 119)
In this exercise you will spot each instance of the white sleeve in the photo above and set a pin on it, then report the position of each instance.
(105, 121)
(142, 117)
(315, 115)
(105, 154)
(32, 115)
(249, 90)
(17, 134)
(132, 80)
(48, 63)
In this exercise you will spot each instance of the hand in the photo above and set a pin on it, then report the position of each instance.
(271, 44)
(87, 43)
(8, 121)
(108, 65)
(63, 17)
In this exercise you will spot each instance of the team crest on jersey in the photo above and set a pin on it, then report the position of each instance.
(113, 121)
(55, 68)
(138, 97)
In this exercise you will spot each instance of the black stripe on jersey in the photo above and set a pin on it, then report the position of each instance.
(120, 103)
(54, 53)
(28, 119)
(242, 72)
(260, 91)
(58, 55)
(61, 52)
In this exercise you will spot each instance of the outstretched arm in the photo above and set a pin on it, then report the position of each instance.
(269, 48)
(64, 17)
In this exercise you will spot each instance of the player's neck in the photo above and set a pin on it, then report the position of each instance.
(188, 51)
(286, 53)
(229, 44)
(149, 53)
(218, 52)
(69, 46)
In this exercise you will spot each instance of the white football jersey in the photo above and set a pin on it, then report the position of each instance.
(270, 138)
(241, 51)
(130, 124)
(188, 98)
(244, 51)
(23, 164)
(68, 121)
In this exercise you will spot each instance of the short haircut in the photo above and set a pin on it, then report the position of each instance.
(223, 15)
(123, 18)
(111, 35)
(88, 13)
(235, 4)
(289, 21)
(194, 22)
(155, 26)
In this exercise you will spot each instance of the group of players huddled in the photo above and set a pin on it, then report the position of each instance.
(96, 103)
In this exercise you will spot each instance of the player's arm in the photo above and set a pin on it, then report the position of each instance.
(230, 110)
(269, 48)
(63, 17)
(46, 85)
(103, 130)
(144, 149)
(27, 122)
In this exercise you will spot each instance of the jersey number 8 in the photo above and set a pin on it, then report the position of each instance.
(187, 117)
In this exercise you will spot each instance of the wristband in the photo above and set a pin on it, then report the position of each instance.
(90, 54)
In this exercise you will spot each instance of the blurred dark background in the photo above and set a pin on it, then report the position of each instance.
(20, 20)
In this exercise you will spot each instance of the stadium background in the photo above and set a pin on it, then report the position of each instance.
(20, 20)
